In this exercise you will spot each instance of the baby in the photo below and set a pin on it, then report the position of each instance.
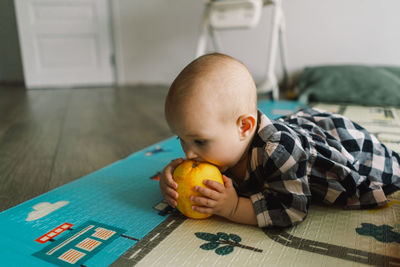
(272, 168)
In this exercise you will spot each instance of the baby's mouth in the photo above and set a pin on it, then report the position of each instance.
(222, 169)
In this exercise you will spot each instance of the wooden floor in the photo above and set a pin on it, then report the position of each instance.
(52, 137)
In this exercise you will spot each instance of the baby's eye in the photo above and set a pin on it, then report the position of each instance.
(200, 142)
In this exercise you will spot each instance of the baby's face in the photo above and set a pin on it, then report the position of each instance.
(200, 109)
(204, 137)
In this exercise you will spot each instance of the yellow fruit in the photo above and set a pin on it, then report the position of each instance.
(189, 174)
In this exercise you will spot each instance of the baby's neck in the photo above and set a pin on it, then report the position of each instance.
(239, 170)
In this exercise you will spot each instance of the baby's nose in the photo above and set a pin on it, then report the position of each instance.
(190, 154)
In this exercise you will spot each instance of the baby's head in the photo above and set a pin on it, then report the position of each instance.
(212, 107)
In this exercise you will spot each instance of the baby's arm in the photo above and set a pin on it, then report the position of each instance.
(167, 184)
(244, 212)
(223, 200)
(283, 199)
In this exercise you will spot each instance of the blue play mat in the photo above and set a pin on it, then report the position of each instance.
(94, 220)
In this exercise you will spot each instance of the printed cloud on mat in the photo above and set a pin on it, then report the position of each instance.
(43, 209)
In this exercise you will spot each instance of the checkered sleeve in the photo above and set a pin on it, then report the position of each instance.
(284, 198)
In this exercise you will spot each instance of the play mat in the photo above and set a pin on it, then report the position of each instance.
(116, 216)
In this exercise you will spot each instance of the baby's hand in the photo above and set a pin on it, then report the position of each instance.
(217, 199)
(167, 184)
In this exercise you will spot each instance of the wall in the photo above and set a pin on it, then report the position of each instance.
(158, 37)
(10, 57)
(343, 31)
(154, 38)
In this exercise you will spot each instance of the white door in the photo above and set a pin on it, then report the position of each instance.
(65, 43)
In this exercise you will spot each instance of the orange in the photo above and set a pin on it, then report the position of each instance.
(189, 174)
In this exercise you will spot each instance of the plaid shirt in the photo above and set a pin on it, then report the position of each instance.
(313, 154)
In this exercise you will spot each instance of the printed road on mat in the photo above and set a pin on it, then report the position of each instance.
(328, 237)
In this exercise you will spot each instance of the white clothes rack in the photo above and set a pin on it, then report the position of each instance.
(234, 14)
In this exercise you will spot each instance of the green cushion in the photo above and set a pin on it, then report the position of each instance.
(364, 85)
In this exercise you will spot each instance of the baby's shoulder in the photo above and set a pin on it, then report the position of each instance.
(278, 136)
(274, 130)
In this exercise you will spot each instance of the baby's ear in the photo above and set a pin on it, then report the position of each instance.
(246, 125)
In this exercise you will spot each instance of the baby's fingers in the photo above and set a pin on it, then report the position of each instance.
(209, 193)
(227, 181)
(214, 185)
(168, 171)
(172, 202)
(170, 195)
(173, 164)
(204, 210)
(203, 201)
(170, 192)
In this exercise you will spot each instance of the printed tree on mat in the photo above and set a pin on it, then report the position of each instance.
(229, 241)
(383, 233)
